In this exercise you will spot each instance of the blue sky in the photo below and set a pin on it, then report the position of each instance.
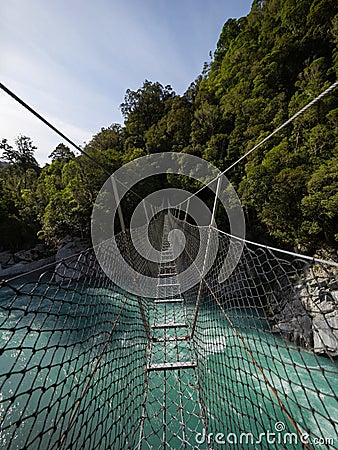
(73, 60)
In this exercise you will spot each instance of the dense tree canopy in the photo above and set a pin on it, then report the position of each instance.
(266, 66)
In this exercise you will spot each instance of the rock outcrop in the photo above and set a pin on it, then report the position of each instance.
(24, 261)
(70, 259)
(71, 262)
(310, 316)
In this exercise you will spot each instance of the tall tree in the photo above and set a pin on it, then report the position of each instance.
(22, 156)
(143, 108)
(61, 153)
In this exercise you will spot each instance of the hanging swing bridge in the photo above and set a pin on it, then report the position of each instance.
(85, 365)
(247, 362)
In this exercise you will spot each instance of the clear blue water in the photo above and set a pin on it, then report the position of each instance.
(52, 340)
(242, 400)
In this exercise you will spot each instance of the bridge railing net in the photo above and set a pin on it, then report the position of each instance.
(266, 344)
(73, 358)
(73, 349)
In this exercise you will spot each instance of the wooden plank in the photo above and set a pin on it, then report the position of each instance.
(172, 366)
(169, 325)
(171, 338)
(169, 300)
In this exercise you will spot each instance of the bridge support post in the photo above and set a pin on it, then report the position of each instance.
(206, 255)
(187, 209)
(130, 260)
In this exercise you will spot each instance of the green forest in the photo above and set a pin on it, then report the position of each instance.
(266, 66)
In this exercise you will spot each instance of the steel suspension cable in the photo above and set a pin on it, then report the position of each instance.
(52, 127)
(60, 133)
(287, 122)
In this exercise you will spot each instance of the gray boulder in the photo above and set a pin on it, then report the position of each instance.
(6, 259)
(71, 259)
(24, 261)
(325, 334)
(295, 324)
(310, 316)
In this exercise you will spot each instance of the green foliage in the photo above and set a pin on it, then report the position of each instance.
(172, 131)
(320, 205)
(21, 157)
(18, 208)
(61, 152)
(266, 67)
(68, 187)
(142, 109)
(229, 33)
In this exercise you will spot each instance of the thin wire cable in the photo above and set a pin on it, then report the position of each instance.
(286, 252)
(52, 127)
(287, 122)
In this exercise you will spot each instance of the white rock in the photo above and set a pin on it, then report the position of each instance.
(17, 269)
(325, 334)
(70, 269)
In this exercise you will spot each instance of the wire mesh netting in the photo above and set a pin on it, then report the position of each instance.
(266, 342)
(73, 352)
(173, 412)
(248, 362)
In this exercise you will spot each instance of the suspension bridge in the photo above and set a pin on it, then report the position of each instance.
(248, 362)
(87, 365)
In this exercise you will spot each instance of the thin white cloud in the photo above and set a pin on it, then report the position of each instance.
(15, 121)
(74, 59)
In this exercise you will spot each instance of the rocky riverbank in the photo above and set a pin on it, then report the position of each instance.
(310, 316)
(24, 261)
(68, 267)
(12, 264)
